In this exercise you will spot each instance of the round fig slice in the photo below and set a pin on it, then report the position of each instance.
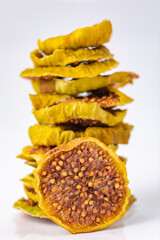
(82, 186)
(79, 113)
(80, 85)
(111, 98)
(81, 71)
(63, 57)
(55, 135)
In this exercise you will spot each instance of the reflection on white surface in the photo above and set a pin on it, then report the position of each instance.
(29, 228)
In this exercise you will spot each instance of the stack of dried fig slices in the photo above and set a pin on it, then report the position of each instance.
(78, 180)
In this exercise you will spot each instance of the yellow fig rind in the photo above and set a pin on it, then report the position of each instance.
(28, 180)
(34, 211)
(30, 194)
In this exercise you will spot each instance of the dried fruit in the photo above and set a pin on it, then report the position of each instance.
(79, 181)
(33, 153)
(29, 207)
(87, 202)
(82, 70)
(63, 57)
(80, 85)
(80, 38)
(54, 135)
(85, 114)
(109, 98)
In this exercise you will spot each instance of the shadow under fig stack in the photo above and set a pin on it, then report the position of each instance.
(78, 182)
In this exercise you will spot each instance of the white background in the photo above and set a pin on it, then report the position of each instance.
(135, 43)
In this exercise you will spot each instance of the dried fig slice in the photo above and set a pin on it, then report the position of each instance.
(29, 207)
(111, 98)
(82, 186)
(80, 85)
(80, 38)
(63, 57)
(56, 135)
(85, 114)
(33, 153)
(82, 70)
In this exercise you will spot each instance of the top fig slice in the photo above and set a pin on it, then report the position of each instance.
(81, 38)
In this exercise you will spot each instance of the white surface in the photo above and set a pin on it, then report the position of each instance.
(135, 43)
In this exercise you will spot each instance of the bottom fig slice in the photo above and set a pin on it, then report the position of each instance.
(82, 186)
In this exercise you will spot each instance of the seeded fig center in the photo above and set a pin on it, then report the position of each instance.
(82, 185)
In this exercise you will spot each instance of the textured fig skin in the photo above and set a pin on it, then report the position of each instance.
(63, 57)
(65, 148)
(80, 85)
(80, 38)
